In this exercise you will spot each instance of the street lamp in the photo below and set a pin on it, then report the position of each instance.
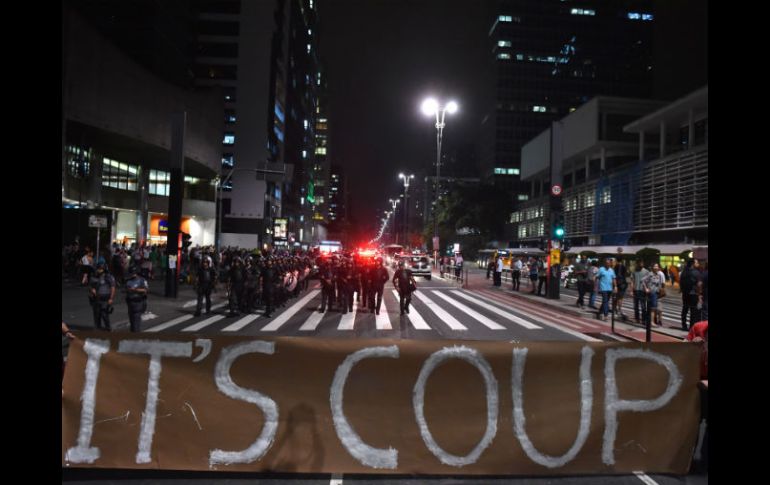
(219, 191)
(407, 180)
(430, 107)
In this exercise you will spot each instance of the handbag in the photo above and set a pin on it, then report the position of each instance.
(412, 287)
(662, 291)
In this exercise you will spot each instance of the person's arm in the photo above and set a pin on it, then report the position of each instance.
(65, 331)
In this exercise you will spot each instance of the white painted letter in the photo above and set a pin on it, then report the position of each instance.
(475, 359)
(519, 421)
(367, 455)
(269, 407)
(613, 405)
(156, 349)
(84, 452)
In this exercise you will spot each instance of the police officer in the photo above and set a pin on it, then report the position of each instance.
(136, 298)
(235, 286)
(379, 278)
(404, 282)
(102, 293)
(326, 275)
(268, 282)
(205, 281)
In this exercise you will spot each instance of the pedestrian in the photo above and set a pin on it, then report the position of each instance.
(380, 278)
(136, 298)
(542, 276)
(691, 287)
(404, 282)
(608, 286)
(516, 274)
(101, 296)
(206, 281)
(235, 286)
(653, 284)
(640, 298)
(593, 270)
(268, 282)
(582, 283)
(533, 274)
(498, 278)
(326, 275)
(86, 266)
(458, 265)
(621, 276)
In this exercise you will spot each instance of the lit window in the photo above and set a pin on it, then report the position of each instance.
(231, 118)
(646, 16)
(519, 57)
(305, 124)
(505, 18)
(191, 180)
(606, 195)
(311, 3)
(634, 16)
(538, 109)
(308, 48)
(229, 139)
(278, 133)
(304, 153)
(228, 160)
(581, 11)
(503, 43)
(503, 55)
(320, 151)
(309, 32)
(523, 197)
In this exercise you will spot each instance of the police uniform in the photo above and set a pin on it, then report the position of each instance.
(380, 277)
(104, 286)
(268, 277)
(136, 301)
(326, 275)
(205, 281)
(402, 280)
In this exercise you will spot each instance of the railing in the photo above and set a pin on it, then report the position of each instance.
(452, 274)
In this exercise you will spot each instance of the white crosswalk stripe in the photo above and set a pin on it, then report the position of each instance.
(148, 316)
(348, 320)
(383, 320)
(414, 316)
(494, 309)
(312, 321)
(285, 316)
(169, 324)
(203, 323)
(240, 323)
(190, 303)
(440, 312)
(473, 313)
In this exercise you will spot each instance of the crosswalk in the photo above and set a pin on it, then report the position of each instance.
(434, 312)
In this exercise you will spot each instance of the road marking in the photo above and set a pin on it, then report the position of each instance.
(414, 316)
(441, 313)
(170, 323)
(148, 316)
(285, 316)
(348, 320)
(470, 311)
(382, 320)
(203, 323)
(240, 323)
(644, 478)
(312, 321)
(336, 479)
(498, 311)
(190, 303)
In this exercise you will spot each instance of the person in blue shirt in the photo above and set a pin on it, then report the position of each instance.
(607, 286)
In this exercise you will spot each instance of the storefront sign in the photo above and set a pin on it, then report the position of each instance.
(280, 228)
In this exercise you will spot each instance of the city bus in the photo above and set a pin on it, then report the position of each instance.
(390, 251)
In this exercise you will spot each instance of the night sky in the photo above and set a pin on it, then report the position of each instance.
(382, 58)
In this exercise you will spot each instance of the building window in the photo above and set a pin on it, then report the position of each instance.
(229, 139)
(588, 199)
(308, 48)
(78, 163)
(505, 18)
(523, 197)
(503, 43)
(119, 175)
(228, 186)
(160, 182)
(640, 16)
(581, 11)
(503, 55)
(305, 124)
(304, 153)
(228, 160)
(539, 109)
(606, 195)
(320, 151)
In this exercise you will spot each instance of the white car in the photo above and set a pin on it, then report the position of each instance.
(418, 263)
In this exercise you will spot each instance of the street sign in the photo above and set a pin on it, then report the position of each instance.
(97, 221)
(555, 256)
(436, 244)
(556, 189)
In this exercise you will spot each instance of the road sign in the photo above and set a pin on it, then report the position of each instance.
(556, 189)
(555, 256)
(97, 221)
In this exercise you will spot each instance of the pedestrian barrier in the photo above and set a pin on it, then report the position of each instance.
(450, 273)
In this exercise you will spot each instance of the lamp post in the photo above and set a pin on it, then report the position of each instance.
(219, 196)
(393, 234)
(430, 107)
(407, 180)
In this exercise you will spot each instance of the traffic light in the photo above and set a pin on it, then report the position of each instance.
(186, 241)
(558, 226)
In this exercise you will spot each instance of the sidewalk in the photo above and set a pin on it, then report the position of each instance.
(477, 280)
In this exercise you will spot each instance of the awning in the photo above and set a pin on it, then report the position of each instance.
(666, 249)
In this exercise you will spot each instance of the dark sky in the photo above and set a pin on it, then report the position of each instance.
(382, 58)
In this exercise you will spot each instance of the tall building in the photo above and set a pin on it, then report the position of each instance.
(322, 166)
(550, 58)
(264, 55)
(118, 104)
(337, 195)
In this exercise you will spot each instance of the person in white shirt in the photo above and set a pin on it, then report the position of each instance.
(498, 271)
(458, 264)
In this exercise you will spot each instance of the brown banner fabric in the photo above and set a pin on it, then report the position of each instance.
(183, 402)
